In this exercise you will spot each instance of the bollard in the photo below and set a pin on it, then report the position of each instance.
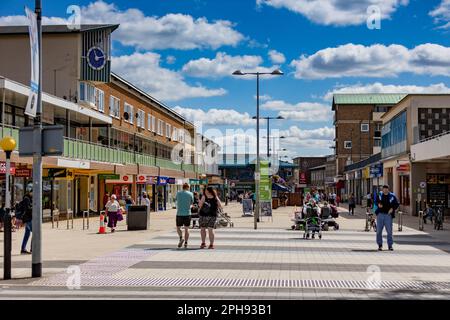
(102, 227)
(86, 217)
(7, 246)
(367, 222)
(69, 215)
(400, 221)
(421, 220)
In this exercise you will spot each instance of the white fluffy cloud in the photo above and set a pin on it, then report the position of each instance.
(377, 60)
(441, 14)
(223, 65)
(177, 31)
(216, 117)
(144, 70)
(378, 87)
(276, 57)
(336, 12)
(303, 111)
(294, 132)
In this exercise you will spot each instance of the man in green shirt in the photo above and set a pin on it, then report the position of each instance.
(185, 199)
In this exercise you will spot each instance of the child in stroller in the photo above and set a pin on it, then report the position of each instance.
(313, 223)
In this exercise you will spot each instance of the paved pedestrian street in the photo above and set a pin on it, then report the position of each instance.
(272, 262)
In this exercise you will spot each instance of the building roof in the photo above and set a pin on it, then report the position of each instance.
(321, 167)
(57, 28)
(367, 98)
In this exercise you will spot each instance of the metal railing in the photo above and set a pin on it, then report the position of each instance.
(84, 150)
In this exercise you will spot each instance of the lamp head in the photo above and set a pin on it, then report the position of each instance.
(280, 118)
(277, 72)
(8, 144)
(238, 73)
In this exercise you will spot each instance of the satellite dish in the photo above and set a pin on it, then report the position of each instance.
(126, 116)
(137, 115)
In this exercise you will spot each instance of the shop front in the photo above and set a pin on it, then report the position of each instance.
(195, 185)
(160, 194)
(146, 183)
(121, 187)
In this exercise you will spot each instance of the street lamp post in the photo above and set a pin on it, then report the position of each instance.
(268, 130)
(8, 144)
(276, 72)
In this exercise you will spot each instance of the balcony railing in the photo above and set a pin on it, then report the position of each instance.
(83, 150)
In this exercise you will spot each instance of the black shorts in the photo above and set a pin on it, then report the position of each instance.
(183, 221)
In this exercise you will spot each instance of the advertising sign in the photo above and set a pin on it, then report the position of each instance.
(302, 178)
(31, 107)
(266, 208)
(265, 183)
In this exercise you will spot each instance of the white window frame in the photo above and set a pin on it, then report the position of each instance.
(149, 122)
(378, 142)
(366, 127)
(346, 143)
(100, 100)
(140, 122)
(130, 109)
(175, 134)
(153, 124)
(161, 125)
(168, 131)
(114, 108)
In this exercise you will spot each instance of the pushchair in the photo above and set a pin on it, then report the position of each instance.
(327, 219)
(224, 220)
(313, 223)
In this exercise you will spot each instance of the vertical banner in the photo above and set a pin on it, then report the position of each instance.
(265, 189)
(34, 80)
(265, 183)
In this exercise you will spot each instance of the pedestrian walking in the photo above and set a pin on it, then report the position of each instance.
(209, 209)
(25, 214)
(351, 204)
(112, 211)
(386, 203)
(185, 200)
(146, 201)
(105, 199)
(428, 214)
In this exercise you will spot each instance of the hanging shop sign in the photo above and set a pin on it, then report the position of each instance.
(376, 171)
(171, 181)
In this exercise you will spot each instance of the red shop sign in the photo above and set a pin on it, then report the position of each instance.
(23, 173)
(12, 169)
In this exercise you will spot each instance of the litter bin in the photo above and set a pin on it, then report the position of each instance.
(138, 218)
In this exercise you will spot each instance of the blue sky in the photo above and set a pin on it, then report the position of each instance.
(183, 51)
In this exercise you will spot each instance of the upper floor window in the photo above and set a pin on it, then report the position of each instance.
(114, 107)
(160, 128)
(100, 100)
(140, 121)
(364, 127)
(175, 134)
(91, 95)
(347, 144)
(128, 108)
(168, 130)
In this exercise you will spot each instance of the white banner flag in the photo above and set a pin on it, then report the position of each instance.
(34, 81)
